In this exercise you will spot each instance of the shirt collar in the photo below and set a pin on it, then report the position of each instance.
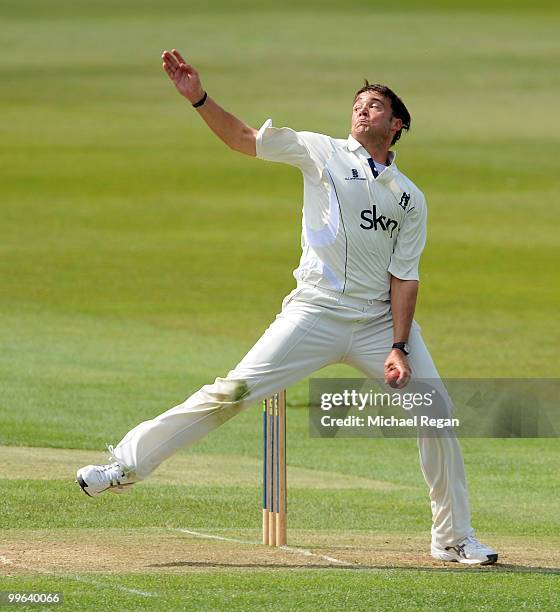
(354, 146)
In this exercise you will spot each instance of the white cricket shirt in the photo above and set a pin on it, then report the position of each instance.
(357, 228)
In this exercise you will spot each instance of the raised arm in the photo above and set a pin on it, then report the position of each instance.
(228, 128)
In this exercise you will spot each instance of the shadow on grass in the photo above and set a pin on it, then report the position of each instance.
(499, 567)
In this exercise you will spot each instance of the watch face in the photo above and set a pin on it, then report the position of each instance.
(406, 348)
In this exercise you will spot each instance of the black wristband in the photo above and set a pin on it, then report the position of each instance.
(402, 346)
(201, 101)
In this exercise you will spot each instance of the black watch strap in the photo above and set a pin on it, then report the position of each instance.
(402, 346)
(201, 101)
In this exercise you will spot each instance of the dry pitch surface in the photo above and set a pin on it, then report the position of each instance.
(186, 549)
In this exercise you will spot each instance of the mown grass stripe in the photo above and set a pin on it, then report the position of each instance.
(102, 585)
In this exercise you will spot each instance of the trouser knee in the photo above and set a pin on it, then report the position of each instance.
(226, 392)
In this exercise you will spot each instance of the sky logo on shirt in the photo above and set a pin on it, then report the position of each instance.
(372, 221)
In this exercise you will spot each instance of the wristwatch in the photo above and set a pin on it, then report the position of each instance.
(402, 346)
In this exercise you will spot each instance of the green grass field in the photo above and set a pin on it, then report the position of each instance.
(140, 258)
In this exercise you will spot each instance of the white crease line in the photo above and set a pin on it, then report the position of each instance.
(7, 561)
(290, 549)
(209, 536)
(308, 553)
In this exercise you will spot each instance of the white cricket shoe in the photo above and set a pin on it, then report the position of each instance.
(94, 479)
(469, 551)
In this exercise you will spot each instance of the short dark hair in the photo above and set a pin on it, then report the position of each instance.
(397, 105)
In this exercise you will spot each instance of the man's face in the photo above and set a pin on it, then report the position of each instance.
(372, 117)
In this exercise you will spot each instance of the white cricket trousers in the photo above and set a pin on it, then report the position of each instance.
(315, 328)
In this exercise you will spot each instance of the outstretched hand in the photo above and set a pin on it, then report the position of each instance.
(184, 76)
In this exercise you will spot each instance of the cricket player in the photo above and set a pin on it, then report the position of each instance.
(363, 231)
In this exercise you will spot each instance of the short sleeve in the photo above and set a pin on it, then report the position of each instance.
(410, 243)
(307, 151)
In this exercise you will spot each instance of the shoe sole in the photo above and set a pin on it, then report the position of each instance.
(491, 560)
